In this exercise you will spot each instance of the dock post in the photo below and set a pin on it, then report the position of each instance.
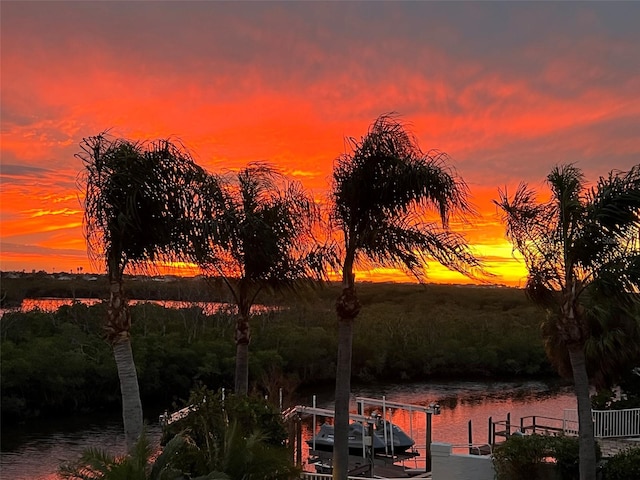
(428, 447)
(534, 424)
(508, 424)
(470, 428)
(299, 440)
(369, 451)
(492, 437)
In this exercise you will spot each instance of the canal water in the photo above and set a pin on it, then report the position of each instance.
(52, 304)
(34, 451)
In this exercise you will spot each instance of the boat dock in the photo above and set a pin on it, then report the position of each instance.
(387, 463)
(614, 430)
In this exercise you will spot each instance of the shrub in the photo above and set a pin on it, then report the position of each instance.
(519, 456)
(523, 457)
(241, 436)
(566, 451)
(625, 465)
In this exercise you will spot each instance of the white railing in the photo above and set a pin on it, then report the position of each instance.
(616, 423)
(315, 476)
(607, 423)
(328, 476)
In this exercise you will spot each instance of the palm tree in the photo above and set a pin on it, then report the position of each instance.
(98, 464)
(582, 251)
(139, 207)
(384, 197)
(261, 237)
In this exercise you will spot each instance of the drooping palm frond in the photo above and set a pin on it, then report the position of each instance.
(611, 348)
(98, 464)
(589, 239)
(141, 201)
(383, 190)
(264, 230)
(615, 204)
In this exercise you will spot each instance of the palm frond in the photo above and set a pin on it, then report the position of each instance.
(141, 201)
(264, 230)
(94, 464)
(615, 203)
(384, 189)
(98, 464)
(582, 252)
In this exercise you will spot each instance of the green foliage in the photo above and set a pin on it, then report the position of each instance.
(626, 396)
(624, 465)
(241, 436)
(57, 362)
(536, 456)
(566, 453)
(98, 464)
(233, 438)
(19, 286)
(518, 457)
(141, 464)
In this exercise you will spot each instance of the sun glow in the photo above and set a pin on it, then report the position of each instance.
(290, 86)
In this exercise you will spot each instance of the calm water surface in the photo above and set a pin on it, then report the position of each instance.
(34, 452)
(52, 304)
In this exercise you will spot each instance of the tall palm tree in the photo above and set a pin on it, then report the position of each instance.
(582, 251)
(391, 204)
(260, 237)
(139, 207)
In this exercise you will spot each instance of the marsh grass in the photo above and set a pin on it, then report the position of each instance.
(58, 362)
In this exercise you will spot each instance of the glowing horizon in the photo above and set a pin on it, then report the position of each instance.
(508, 90)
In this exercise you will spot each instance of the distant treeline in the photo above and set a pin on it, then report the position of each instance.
(57, 362)
(16, 286)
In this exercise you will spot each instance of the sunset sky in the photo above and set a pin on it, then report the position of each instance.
(508, 90)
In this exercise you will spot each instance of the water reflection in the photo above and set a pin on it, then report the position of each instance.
(208, 308)
(36, 451)
(460, 403)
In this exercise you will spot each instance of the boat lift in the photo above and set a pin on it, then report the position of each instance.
(362, 402)
(432, 409)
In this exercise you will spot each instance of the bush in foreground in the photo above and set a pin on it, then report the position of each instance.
(541, 457)
(233, 438)
(625, 465)
(243, 437)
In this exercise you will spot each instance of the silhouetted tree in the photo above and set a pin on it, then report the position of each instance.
(383, 192)
(582, 251)
(139, 209)
(260, 237)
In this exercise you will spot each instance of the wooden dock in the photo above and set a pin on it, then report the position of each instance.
(541, 425)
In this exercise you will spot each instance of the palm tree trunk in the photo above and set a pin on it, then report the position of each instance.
(118, 334)
(585, 418)
(343, 392)
(131, 404)
(347, 309)
(243, 337)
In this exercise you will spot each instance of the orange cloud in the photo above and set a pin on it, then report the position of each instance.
(507, 91)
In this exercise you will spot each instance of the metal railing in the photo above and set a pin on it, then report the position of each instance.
(328, 476)
(616, 423)
(607, 423)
